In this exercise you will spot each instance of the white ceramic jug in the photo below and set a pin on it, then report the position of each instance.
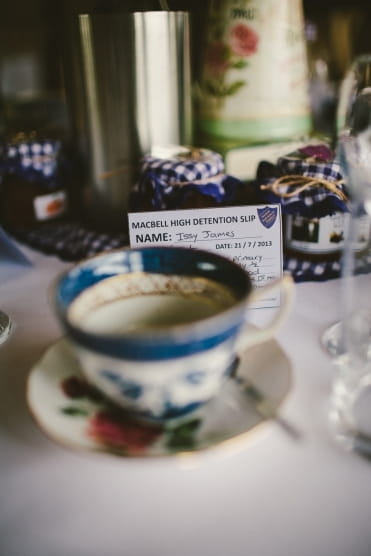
(253, 84)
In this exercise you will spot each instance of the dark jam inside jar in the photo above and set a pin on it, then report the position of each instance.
(32, 188)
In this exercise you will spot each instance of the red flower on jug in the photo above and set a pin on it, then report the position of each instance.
(226, 55)
(243, 40)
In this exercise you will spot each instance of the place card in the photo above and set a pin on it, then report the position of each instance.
(250, 235)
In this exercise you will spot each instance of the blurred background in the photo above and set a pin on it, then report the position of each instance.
(34, 36)
(37, 62)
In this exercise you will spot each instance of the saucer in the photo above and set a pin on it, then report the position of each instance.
(76, 415)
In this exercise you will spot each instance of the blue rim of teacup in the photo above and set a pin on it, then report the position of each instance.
(159, 344)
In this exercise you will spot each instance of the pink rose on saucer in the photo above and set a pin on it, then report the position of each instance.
(243, 40)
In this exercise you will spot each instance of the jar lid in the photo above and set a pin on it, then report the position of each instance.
(178, 164)
(32, 159)
(305, 182)
(174, 176)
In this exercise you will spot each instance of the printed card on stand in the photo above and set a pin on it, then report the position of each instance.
(250, 235)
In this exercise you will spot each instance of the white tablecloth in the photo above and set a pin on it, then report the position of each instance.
(267, 495)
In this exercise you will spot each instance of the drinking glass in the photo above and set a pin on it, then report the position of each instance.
(350, 403)
(353, 117)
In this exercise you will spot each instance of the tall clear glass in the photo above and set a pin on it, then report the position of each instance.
(350, 409)
(353, 117)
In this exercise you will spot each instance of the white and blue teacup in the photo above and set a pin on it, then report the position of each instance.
(157, 329)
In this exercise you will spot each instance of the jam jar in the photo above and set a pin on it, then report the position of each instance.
(181, 177)
(32, 182)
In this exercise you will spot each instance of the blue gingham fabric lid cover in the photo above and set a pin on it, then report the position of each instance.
(33, 160)
(166, 172)
(316, 166)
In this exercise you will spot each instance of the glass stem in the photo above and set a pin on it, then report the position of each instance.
(349, 270)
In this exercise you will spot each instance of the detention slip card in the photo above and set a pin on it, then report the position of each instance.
(250, 235)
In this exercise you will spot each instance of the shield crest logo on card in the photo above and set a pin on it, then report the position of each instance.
(267, 216)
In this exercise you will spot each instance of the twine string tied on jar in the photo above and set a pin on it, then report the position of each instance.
(292, 185)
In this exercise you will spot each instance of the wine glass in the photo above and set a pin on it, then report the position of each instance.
(354, 96)
(350, 340)
(353, 118)
(350, 401)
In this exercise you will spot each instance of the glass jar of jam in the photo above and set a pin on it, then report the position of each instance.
(32, 184)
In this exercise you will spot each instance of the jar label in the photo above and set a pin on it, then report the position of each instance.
(324, 235)
(47, 207)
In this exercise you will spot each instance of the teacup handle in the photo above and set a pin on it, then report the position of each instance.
(260, 335)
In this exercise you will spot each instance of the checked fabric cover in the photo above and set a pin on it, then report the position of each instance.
(173, 183)
(317, 162)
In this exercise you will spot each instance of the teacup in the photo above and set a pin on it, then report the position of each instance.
(158, 329)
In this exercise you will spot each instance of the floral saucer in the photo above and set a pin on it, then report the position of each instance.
(76, 415)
